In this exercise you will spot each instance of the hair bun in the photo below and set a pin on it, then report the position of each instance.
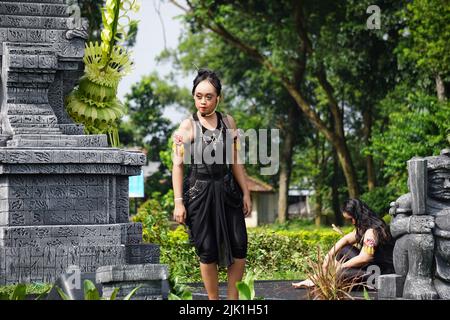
(203, 71)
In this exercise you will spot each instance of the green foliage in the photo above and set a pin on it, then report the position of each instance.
(427, 36)
(366, 294)
(379, 199)
(145, 104)
(176, 250)
(418, 126)
(329, 283)
(155, 221)
(19, 292)
(24, 291)
(91, 292)
(246, 287)
(178, 290)
(271, 254)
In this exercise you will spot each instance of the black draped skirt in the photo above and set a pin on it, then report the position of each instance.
(215, 217)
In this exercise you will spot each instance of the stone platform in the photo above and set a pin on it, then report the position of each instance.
(271, 290)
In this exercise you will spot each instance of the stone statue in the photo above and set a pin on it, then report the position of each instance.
(421, 226)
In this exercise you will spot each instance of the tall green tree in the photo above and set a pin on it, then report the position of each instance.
(427, 41)
(147, 127)
(263, 31)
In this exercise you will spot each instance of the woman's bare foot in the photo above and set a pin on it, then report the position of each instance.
(303, 284)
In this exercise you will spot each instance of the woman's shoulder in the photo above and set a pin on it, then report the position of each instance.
(186, 123)
(371, 235)
(185, 129)
(229, 120)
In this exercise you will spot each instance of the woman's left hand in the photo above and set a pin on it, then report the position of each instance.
(247, 204)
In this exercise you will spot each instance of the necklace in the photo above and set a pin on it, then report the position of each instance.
(213, 138)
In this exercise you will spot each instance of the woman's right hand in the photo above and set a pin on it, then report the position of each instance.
(179, 213)
(326, 261)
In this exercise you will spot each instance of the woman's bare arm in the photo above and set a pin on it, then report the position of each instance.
(348, 239)
(182, 135)
(366, 254)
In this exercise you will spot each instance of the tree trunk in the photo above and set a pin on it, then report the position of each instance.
(283, 192)
(440, 88)
(285, 172)
(347, 168)
(335, 191)
(320, 162)
(318, 209)
(367, 132)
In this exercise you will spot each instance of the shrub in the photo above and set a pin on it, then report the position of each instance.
(273, 255)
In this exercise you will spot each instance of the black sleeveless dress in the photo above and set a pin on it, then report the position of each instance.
(383, 258)
(213, 200)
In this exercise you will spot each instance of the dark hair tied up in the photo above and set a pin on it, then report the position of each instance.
(211, 76)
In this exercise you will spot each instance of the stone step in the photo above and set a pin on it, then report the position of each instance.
(75, 235)
(58, 140)
(38, 136)
(35, 127)
(32, 119)
(35, 130)
(32, 35)
(19, 24)
(30, 109)
(33, 8)
(46, 264)
(43, 143)
(38, 1)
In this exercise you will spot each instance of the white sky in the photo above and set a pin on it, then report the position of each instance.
(150, 42)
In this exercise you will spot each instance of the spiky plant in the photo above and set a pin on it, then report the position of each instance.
(329, 283)
(94, 101)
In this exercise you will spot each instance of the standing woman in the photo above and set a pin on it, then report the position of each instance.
(213, 198)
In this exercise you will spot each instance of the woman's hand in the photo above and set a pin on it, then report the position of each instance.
(247, 204)
(179, 213)
(326, 261)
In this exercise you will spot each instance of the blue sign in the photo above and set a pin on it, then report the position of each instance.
(136, 186)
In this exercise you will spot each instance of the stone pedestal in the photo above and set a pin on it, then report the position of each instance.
(390, 286)
(150, 277)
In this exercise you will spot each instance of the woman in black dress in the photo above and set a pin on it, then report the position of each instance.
(374, 241)
(213, 198)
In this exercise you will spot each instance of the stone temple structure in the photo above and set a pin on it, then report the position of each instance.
(421, 226)
(63, 194)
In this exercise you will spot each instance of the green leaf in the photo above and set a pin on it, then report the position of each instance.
(366, 294)
(44, 293)
(187, 295)
(90, 291)
(20, 292)
(128, 297)
(114, 294)
(4, 296)
(62, 294)
(174, 297)
(244, 291)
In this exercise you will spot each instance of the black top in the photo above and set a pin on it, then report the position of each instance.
(383, 256)
(212, 143)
